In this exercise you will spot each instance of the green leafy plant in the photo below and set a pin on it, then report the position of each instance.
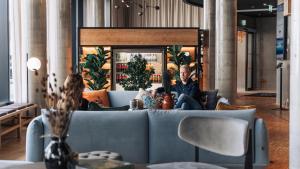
(178, 57)
(93, 70)
(137, 74)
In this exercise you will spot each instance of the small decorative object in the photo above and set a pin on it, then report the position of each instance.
(60, 105)
(138, 76)
(133, 104)
(136, 104)
(168, 102)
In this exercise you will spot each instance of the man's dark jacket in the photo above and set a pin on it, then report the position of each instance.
(191, 88)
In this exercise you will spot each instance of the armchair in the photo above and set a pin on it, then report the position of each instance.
(225, 136)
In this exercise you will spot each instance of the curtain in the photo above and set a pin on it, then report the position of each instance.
(93, 13)
(172, 13)
(18, 87)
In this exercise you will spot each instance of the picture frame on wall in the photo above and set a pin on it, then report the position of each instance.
(281, 33)
(280, 48)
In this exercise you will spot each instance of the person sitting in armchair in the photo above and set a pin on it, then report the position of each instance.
(187, 89)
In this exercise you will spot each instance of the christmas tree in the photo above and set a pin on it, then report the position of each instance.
(138, 76)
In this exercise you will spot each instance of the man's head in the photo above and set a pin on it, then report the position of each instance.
(184, 73)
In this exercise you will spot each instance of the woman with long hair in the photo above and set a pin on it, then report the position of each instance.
(71, 96)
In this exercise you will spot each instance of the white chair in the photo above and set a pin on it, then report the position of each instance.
(225, 136)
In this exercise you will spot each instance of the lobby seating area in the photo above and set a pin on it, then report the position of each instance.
(149, 84)
(145, 136)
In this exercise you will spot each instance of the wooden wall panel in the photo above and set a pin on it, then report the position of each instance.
(138, 37)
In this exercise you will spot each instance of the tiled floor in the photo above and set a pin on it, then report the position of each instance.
(277, 124)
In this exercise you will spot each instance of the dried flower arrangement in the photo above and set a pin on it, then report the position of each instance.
(60, 104)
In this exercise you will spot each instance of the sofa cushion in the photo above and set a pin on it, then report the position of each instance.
(121, 98)
(123, 132)
(99, 96)
(165, 145)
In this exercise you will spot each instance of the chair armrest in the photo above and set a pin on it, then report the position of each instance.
(261, 148)
(34, 141)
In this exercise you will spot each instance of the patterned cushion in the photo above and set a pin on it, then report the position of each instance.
(103, 155)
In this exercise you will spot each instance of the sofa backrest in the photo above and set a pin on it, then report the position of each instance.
(166, 146)
(121, 98)
(147, 136)
(125, 132)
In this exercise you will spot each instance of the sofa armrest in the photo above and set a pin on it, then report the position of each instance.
(34, 141)
(261, 148)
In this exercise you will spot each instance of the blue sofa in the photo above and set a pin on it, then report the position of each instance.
(145, 136)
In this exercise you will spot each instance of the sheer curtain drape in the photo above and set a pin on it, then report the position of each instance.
(172, 13)
(17, 23)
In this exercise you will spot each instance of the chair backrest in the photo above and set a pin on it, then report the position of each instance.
(225, 136)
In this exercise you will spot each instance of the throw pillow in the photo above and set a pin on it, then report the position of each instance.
(211, 99)
(98, 96)
(149, 102)
(141, 93)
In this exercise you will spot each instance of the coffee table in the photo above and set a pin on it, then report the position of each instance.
(41, 165)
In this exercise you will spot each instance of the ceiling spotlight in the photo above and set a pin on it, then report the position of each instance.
(123, 1)
(270, 8)
(264, 4)
(127, 5)
(116, 6)
(140, 13)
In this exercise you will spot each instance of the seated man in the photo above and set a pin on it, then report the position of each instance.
(188, 91)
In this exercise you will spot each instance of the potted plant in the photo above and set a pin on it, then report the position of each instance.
(92, 68)
(137, 74)
(178, 57)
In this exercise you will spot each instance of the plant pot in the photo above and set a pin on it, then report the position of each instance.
(168, 102)
(58, 154)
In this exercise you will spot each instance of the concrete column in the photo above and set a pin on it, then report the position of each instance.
(294, 148)
(226, 29)
(37, 44)
(93, 13)
(59, 47)
(209, 62)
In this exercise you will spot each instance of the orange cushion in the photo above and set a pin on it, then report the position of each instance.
(98, 96)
